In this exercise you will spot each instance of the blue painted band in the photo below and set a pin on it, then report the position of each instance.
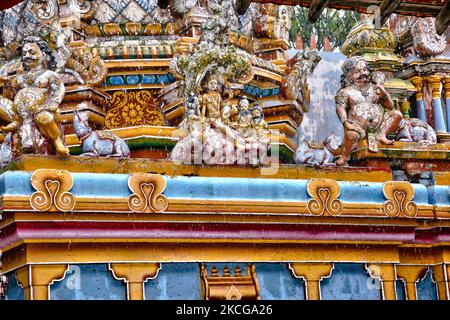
(99, 185)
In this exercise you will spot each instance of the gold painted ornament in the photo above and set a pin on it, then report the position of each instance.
(147, 193)
(132, 109)
(325, 194)
(52, 191)
(399, 195)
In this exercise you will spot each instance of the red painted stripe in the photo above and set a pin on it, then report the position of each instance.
(5, 4)
(163, 230)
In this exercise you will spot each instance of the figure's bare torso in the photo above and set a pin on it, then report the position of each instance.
(212, 100)
(363, 106)
(32, 93)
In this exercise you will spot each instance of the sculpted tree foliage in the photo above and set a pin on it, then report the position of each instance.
(334, 24)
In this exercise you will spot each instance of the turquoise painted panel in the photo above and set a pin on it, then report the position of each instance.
(100, 185)
(116, 185)
(349, 281)
(236, 188)
(420, 194)
(426, 288)
(13, 290)
(15, 183)
(116, 81)
(88, 282)
(357, 192)
(175, 281)
(134, 79)
(400, 289)
(439, 195)
(148, 79)
(276, 282)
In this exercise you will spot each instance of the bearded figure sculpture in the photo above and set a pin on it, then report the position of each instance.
(365, 108)
(36, 92)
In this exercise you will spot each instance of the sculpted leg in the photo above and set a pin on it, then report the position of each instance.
(351, 138)
(392, 120)
(47, 125)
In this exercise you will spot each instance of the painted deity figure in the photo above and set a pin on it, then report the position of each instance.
(211, 113)
(38, 92)
(365, 108)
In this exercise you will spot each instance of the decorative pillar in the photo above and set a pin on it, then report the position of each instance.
(418, 83)
(405, 106)
(135, 274)
(447, 100)
(411, 275)
(440, 276)
(447, 270)
(386, 274)
(36, 279)
(312, 273)
(23, 278)
(438, 114)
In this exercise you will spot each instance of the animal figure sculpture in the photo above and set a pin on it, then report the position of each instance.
(6, 153)
(416, 130)
(316, 154)
(98, 143)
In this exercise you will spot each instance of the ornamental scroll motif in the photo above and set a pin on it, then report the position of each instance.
(147, 193)
(325, 194)
(52, 191)
(399, 195)
(132, 109)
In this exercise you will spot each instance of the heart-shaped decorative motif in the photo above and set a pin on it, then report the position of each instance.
(147, 193)
(325, 194)
(52, 191)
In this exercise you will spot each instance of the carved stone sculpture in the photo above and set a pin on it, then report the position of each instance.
(360, 105)
(100, 143)
(426, 42)
(416, 130)
(316, 154)
(295, 84)
(6, 149)
(37, 91)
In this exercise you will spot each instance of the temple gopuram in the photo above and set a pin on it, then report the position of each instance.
(151, 150)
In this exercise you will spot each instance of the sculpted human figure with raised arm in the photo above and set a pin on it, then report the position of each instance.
(364, 107)
(38, 92)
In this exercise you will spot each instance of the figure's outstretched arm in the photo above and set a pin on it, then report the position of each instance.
(385, 98)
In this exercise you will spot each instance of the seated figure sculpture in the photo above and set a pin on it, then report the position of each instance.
(38, 92)
(211, 107)
(365, 108)
(215, 131)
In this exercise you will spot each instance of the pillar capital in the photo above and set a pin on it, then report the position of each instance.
(36, 279)
(411, 274)
(405, 107)
(436, 85)
(386, 273)
(135, 274)
(312, 273)
(417, 82)
(446, 81)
